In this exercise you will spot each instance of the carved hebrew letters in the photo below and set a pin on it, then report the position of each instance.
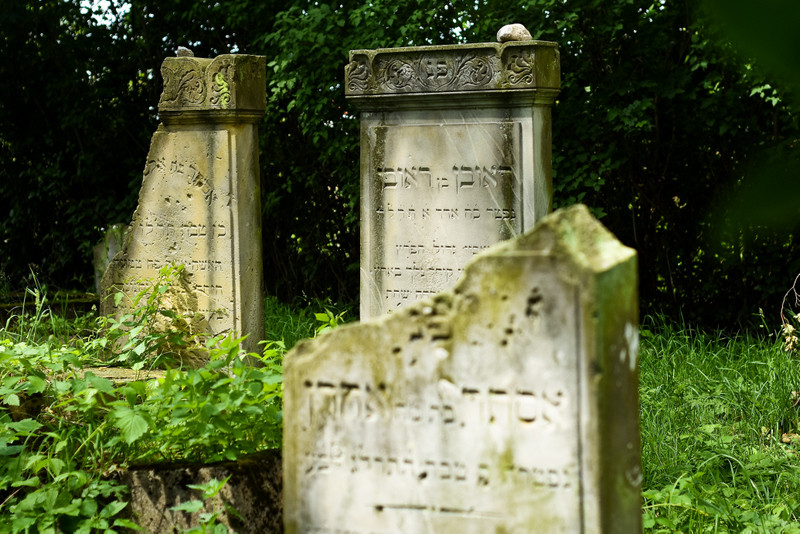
(456, 148)
(437, 210)
(459, 417)
(185, 217)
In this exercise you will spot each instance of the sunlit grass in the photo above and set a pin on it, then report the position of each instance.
(715, 411)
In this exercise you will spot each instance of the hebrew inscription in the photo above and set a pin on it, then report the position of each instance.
(507, 404)
(185, 217)
(455, 157)
(439, 194)
(199, 203)
(434, 439)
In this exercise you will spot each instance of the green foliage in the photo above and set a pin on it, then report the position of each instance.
(719, 419)
(74, 124)
(149, 334)
(53, 437)
(65, 431)
(208, 520)
(328, 320)
(222, 411)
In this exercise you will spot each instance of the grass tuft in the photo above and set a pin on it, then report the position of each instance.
(715, 412)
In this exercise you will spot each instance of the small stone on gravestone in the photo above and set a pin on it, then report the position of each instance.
(455, 156)
(184, 52)
(199, 204)
(513, 32)
(509, 404)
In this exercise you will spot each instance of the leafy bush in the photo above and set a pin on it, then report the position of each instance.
(66, 431)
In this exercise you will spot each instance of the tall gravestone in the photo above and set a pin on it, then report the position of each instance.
(455, 156)
(509, 404)
(199, 205)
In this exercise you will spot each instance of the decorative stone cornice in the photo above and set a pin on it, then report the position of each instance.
(229, 83)
(519, 66)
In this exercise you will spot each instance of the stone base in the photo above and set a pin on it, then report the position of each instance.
(254, 491)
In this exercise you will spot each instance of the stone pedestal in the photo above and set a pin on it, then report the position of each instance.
(199, 205)
(509, 404)
(455, 156)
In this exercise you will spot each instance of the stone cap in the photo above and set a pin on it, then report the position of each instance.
(512, 67)
(228, 84)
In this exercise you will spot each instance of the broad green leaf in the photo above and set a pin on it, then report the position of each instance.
(127, 523)
(36, 384)
(55, 465)
(26, 426)
(188, 507)
(32, 482)
(88, 507)
(102, 384)
(22, 523)
(112, 509)
(11, 450)
(131, 424)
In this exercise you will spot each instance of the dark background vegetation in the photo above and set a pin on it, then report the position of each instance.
(660, 127)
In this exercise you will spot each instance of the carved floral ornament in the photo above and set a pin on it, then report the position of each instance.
(208, 84)
(183, 84)
(194, 83)
(451, 69)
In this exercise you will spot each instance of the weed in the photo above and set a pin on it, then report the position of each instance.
(208, 520)
(65, 432)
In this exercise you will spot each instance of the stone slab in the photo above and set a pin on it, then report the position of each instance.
(199, 204)
(253, 490)
(530, 67)
(509, 404)
(455, 156)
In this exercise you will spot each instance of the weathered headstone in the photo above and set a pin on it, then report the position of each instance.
(105, 250)
(199, 204)
(455, 156)
(509, 404)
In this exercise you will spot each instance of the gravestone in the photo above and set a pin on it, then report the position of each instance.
(508, 404)
(199, 204)
(455, 156)
(105, 250)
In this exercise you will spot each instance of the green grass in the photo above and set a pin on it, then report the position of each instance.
(714, 410)
(286, 324)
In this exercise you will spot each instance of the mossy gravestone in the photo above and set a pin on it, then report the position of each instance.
(199, 205)
(455, 156)
(507, 405)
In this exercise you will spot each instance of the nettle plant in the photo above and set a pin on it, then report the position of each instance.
(66, 432)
